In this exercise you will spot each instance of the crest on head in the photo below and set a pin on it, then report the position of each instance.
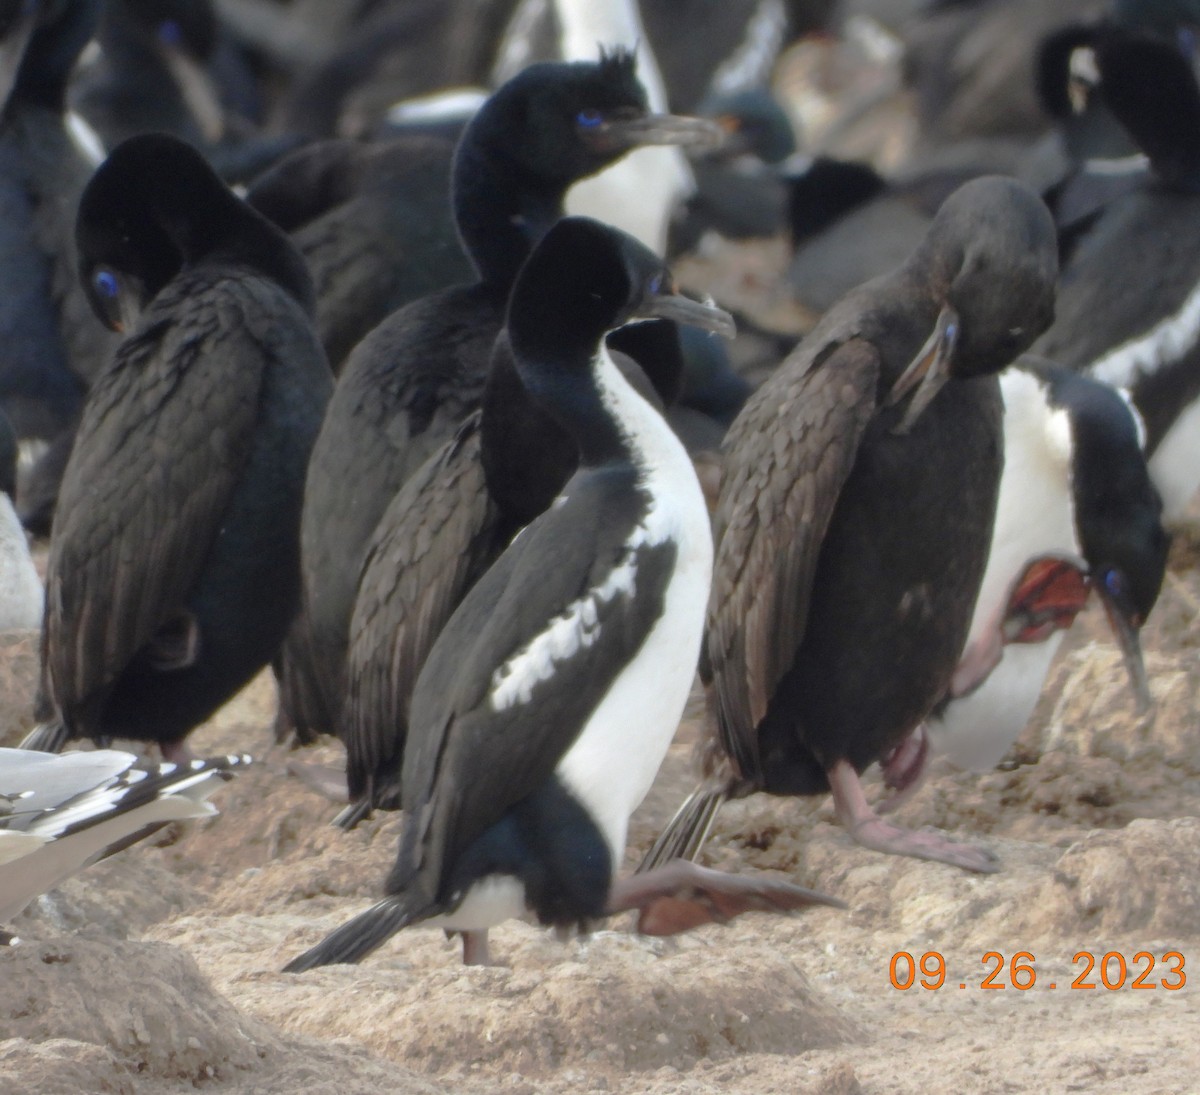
(618, 61)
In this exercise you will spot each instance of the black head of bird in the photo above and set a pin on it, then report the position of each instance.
(1121, 545)
(154, 207)
(602, 279)
(754, 123)
(1118, 514)
(990, 258)
(566, 120)
(583, 280)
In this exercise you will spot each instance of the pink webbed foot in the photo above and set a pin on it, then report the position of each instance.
(681, 895)
(871, 831)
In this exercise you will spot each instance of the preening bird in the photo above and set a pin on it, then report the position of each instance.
(1077, 514)
(854, 519)
(174, 565)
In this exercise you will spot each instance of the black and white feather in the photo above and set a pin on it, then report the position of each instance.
(61, 812)
(547, 703)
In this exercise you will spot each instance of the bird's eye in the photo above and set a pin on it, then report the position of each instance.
(589, 118)
(106, 284)
(1114, 582)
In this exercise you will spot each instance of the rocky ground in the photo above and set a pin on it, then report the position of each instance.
(158, 970)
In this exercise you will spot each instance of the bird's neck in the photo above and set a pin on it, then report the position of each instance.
(51, 55)
(500, 214)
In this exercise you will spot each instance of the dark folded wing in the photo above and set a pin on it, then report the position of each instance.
(164, 437)
(788, 454)
(435, 539)
(502, 696)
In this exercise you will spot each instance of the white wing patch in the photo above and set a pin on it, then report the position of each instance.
(574, 629)
(666, 474)
(85, 812)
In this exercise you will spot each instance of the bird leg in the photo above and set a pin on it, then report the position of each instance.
(905, 769)
(869, 830)
(177, 752)
(682, 895)
(977, 662)
(475, 948)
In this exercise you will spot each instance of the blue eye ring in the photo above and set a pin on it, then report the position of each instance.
(1114, 582)
(106, 284)
(656, 283)
(589, 118)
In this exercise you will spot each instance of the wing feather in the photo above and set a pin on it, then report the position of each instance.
(164, 438)
(789, 453)
(435, 539)
(455, 725)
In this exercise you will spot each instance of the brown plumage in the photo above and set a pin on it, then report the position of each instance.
(854, 518)
(433, 542)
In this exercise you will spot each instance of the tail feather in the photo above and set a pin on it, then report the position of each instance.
(368, 931)
(47, 737)
(348, 817)
(687, 831)
(303, 713)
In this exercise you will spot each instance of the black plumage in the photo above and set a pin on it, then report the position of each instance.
(595, 600)
(51, 344)
(374, 224)
(174, 562)
(411, 381)
(442, 531)
(853, 527)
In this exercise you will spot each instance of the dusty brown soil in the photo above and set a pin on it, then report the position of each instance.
(158, 970)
